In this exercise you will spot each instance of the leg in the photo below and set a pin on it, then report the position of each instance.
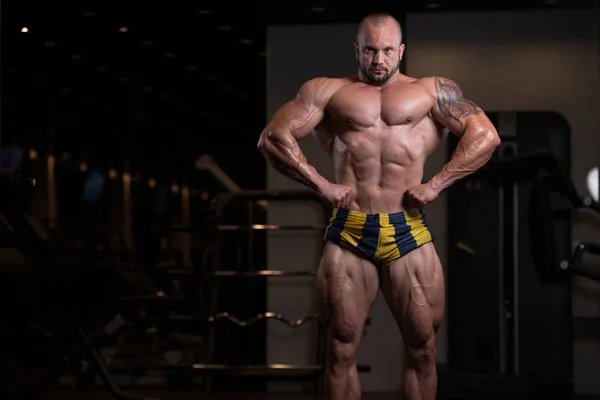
(347, 285)
(413, 287)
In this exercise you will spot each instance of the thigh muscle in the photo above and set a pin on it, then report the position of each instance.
(347, 285)
(413, 287)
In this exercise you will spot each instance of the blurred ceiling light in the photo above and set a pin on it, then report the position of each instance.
(225, 28)
(33, 155)
(123, 29)
(247, 41)
(202, 12)
(432, 5)
(89, 14)
(24, 29)
(317, 9)
(147, 42)
(593, 181)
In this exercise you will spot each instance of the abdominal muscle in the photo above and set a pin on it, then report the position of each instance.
(379, 167)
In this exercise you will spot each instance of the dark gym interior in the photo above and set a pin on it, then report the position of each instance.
(142, 234)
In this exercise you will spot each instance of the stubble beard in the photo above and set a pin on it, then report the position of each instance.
(380, 80)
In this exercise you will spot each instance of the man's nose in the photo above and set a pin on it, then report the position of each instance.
(378, 59)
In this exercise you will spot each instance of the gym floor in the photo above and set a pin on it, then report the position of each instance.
(199, 395)
(192, 395)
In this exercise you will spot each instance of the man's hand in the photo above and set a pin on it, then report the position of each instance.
(419, 196)
(338, 195)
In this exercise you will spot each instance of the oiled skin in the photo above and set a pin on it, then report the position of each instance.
(379, 127)
(380, 144)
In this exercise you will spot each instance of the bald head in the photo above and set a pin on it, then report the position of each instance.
(378, 48)
(378, 22)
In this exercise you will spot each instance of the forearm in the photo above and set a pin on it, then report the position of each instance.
(283, 153)
(474, 150)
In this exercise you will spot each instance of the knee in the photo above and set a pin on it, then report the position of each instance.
(422, 356)
(343, 345)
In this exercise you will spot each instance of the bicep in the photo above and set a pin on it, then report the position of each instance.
(454, 111)
(296, 118)
(289, 124)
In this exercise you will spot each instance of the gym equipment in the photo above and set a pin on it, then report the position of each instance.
(553, 199)
(25, 373)
(231, 274)
(497, 301)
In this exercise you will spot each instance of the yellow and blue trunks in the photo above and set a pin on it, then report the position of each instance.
(380, 238)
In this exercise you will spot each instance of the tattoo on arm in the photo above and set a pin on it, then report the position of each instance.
(451, 102)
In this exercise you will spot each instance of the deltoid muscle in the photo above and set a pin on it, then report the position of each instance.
(451, 101)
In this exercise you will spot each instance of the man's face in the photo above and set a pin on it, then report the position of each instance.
(379, 51)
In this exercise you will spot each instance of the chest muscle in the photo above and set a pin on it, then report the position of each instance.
(365, 107)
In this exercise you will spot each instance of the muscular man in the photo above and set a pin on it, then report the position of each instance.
(379, 126)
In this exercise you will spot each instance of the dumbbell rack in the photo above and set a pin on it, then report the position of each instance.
(219, 272)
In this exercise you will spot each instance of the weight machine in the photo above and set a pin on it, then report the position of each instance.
(550, 204)
(553, 199)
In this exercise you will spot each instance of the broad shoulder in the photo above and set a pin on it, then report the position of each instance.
(440, 85)
(319, 90)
